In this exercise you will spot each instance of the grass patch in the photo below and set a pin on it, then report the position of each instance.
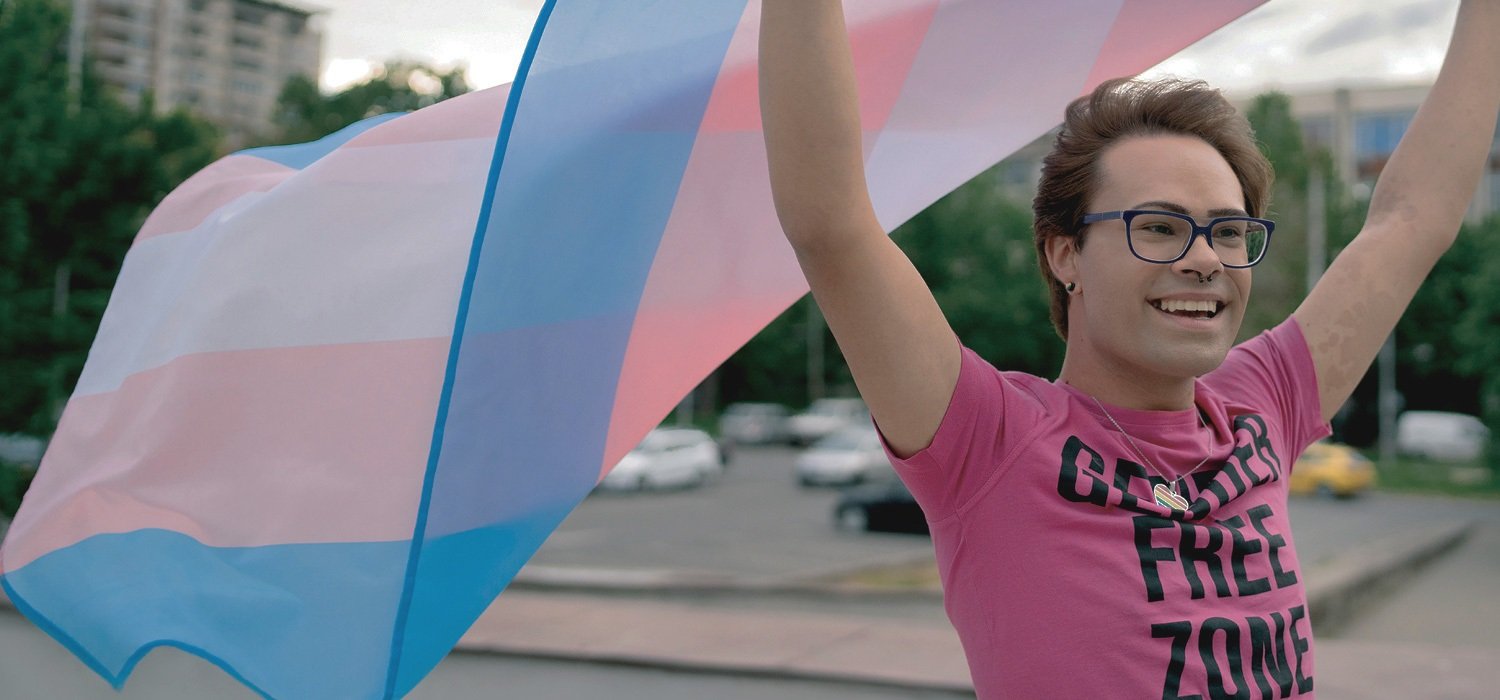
(1406, 474)
(915, 576)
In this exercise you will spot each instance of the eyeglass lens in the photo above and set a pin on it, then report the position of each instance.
(1164, 237)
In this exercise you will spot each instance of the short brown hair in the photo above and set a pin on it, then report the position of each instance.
(1124, 107)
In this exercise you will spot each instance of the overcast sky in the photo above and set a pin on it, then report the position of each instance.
(1285, 43)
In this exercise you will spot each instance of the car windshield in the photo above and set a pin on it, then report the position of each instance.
(662, 440)
(753, 409)
(849, 440)
(834, 407)
(655, 441)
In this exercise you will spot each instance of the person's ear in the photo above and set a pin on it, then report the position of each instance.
(1062, 258)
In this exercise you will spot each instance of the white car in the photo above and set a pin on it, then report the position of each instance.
(754, 423)
(850, 456)
(1441, 436)
(667, 458)
(825, 417)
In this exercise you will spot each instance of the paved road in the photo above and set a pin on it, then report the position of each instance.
(32, 667)
(1453, 603)
(757, 522)
(753, 522)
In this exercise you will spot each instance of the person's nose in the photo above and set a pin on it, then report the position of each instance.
(1201, 259)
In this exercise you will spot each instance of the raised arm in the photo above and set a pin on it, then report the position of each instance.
(1415, 212)
(902, 353)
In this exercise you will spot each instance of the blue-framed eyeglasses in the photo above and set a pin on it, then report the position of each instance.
(1165, 236)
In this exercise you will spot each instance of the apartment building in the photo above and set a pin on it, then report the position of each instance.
(224, 59)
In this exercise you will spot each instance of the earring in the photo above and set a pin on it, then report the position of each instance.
(1071, 287)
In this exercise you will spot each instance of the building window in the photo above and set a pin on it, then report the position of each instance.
(198, 5)
(249, 15)
(118, 10)
(1317, 131)
(249, 87)
(1376, 135)
(1375, 138)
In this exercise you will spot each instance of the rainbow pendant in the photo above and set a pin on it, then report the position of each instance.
(1167, 498)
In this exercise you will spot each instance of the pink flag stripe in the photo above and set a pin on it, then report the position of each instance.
(299, 445)
(475, 115)
(1124, 47)
(722, 271)
(381, 227)
(959, 119)
(471, 117)
(221, 183)
(723, 214)
(884, 37)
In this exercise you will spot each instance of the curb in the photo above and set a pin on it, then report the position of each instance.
(703, 585)
(964, 689)
(1338, 590)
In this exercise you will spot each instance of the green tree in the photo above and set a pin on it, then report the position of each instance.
(1280, 282)
(304, 113)
(82, 171)
(1475, 337)
(974, 249)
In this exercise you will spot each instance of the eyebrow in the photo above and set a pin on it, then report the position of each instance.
(1179, 209)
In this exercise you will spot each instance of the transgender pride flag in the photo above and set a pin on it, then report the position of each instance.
(343, 390)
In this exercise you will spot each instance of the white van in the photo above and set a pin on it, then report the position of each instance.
(1442, 436)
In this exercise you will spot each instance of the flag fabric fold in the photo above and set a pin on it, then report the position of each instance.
(344, 390)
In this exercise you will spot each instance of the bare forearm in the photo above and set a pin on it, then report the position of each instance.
(1426, 186)
(810, 111)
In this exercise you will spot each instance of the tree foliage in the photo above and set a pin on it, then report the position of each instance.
(82, 171)
(1475, 299)
(974, 249)
(304, 113)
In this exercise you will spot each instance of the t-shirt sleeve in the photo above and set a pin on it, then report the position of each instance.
(1275, 369)
(973, 441)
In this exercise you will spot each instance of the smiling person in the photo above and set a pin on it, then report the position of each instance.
(1121, 530)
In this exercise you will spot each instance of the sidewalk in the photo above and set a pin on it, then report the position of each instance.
(822, 630)
(897, 653)
(625, 622)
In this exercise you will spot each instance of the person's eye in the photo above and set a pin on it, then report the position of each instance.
(1228, 233)
(1156, 227)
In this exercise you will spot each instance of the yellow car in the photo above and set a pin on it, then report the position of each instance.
(1333, 470)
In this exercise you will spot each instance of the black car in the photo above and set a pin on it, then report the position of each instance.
(883, 506)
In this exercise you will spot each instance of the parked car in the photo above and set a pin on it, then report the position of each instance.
(1331, 469)
(825, 417)
(21, 450)
(1442, 436)
(849, 456)
(754, 423)
(884, 506)
(667, 458)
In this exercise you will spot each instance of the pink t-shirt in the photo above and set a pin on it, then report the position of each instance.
(1063, 576)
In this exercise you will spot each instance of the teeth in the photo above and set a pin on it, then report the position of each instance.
(1184, 305)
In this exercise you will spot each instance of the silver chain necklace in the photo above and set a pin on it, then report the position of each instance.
(1166, 497)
